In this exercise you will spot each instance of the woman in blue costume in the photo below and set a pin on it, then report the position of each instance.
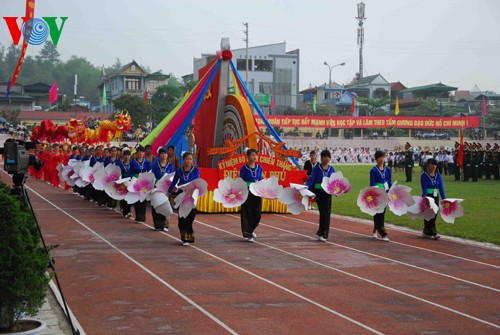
(323, 199)
(380, 176)
(161, 167)
(183, 175)
(140, 165)
(432, 185)
(251, 209)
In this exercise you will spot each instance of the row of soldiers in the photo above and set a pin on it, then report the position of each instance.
(478, 161)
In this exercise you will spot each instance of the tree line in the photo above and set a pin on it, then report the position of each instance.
(47, 67)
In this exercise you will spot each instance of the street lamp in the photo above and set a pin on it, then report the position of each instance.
(330, 72)
(330, 86)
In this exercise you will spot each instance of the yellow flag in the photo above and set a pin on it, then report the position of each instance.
(396, 111)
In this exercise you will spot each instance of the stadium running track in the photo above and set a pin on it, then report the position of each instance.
(119, 277)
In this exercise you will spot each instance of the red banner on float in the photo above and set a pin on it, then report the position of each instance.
(414, 122)
(283, 170)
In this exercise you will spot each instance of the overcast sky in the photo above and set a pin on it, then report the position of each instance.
(417, 42)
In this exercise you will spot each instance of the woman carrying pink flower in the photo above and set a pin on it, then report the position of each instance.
(183, 175)
(323, 199)
(432, 183)
(251, 210)
(160, 168)
(380, 176)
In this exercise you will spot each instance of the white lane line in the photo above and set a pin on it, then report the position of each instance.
(270, 282)
(394, 242)
(217, 258)
(358, 277)
(386, 258)
(151, 273)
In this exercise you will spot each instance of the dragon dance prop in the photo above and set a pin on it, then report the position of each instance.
(107, 130)
(76, 131)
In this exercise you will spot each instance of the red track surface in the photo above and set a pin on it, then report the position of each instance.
(124, 278)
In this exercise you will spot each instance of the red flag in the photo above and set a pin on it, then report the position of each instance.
(353, 106)
(460, 156)
(30, 13)
(145, 97)
(53, 93)
(484, 106)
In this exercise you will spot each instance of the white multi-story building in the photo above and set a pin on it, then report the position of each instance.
(273, 74)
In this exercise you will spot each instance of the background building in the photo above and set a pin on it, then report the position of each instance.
(273, 74)
(129, 79)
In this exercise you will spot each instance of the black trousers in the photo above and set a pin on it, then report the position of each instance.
(186, 227)
(378, 223)
(140, 211)
(408, 172)
(125, 207)
(159, 221)
(430, 226)
(457, 171)
(488, 167)
(467, 171)
(251, 213)
(324, 201)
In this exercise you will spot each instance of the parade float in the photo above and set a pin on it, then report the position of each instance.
(224, 125)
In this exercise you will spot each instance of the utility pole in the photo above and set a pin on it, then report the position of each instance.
(361, 35)
(246, 41)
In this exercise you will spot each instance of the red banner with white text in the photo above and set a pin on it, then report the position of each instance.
(413, 122)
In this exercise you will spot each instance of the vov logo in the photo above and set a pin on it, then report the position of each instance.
(40, 29)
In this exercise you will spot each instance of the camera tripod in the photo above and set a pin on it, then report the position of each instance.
(19, 190)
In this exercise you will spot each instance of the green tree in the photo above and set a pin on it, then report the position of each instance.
(11, 57)
(373, 106)
(138, 109)
(88, 78)
(188, 86)
(166, 98)
(4, 74)
(118, 64)
(49, 54)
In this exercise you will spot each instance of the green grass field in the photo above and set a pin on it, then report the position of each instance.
(481, 220)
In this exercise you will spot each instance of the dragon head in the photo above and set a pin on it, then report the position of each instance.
(123, 120)
(76, 129)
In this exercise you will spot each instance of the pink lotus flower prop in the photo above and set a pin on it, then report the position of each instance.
(372, 200)
(186, 201)
(160, 203)
(164, 183)
(111, 174)
(79, 168)
(140, 188)
(336, 184)
(158, 196)
(65, 174)
(267, 188)
(451, 209)
(296, 197)
(424, 207)
(400, 199)
(118, 190)
(88, 173)
(231, 192)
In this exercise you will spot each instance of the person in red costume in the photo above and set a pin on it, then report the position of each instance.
(46, 156)
(55, 160)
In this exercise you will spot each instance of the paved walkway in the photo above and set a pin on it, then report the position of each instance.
(52, 314)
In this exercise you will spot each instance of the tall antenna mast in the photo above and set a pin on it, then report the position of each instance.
(246, 41)
(361, 35)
